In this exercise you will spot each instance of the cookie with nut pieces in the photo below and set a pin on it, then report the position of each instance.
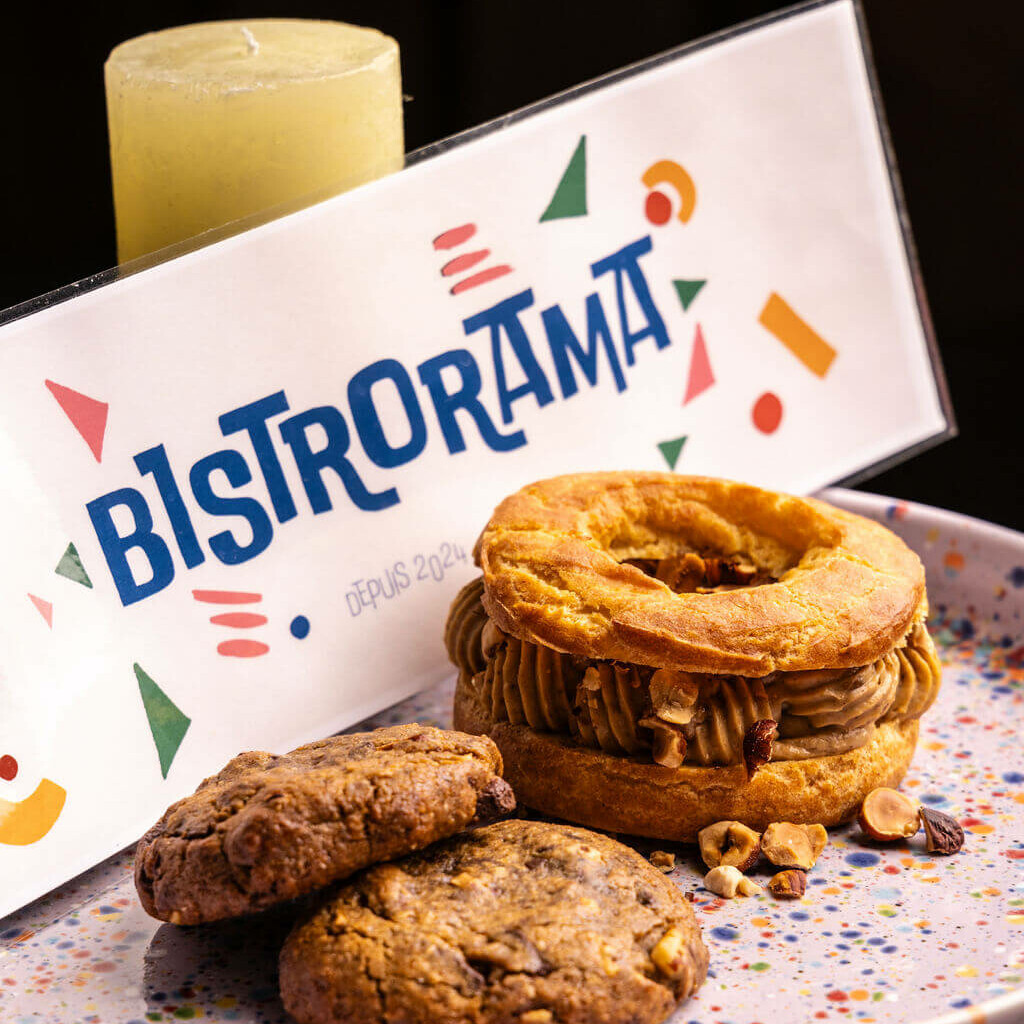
(522, 921)
(268, 827)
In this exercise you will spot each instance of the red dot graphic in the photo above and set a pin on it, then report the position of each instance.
(767, 413)
(8, 767)
(658, 208)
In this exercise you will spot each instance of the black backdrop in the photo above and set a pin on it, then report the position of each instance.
(950, 82)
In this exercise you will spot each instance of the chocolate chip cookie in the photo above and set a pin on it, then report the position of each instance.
(271, 827)
(520, 922)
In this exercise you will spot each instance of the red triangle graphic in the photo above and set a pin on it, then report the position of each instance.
(700, 377)
(88, 416)
(45, 609)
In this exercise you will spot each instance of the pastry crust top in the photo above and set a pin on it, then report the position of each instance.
(553, 561)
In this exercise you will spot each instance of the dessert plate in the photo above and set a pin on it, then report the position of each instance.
(884, 934)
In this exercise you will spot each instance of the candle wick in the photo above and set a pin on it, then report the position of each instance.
(250, 42)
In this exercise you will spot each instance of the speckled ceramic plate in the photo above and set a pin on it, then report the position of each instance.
(884, 934)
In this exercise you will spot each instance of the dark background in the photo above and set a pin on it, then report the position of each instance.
(945, 71)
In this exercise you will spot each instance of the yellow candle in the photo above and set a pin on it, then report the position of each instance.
(217, 121)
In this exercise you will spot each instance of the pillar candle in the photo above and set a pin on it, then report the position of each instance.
(216, 121)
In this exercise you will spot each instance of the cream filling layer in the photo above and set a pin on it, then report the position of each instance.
(680, 717)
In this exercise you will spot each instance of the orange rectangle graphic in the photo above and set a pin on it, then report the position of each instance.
(797, 335)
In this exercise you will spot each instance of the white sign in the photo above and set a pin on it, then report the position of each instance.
(241, 488)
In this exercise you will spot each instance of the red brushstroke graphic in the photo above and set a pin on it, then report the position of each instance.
(464, 262)
(482, 278)
(226, 597)
(235, 620)
(242, 648)
(455, 236)
(239, 620)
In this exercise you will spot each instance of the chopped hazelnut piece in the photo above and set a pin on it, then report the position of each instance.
(496, 800)
(673, 696)
(788, 885)
(722, 571)
(669, 743)
(536, 1017)
(746, 887)
(663, 861)
(793, 846)
(727, 881)
(887, 815)
(943, 834)
(731, 844)
(757, 745)
(670, 955)
(681, 573)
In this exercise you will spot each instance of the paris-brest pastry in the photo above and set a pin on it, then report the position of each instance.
(653, 653)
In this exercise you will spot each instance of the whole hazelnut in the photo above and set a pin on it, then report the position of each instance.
(887, 815)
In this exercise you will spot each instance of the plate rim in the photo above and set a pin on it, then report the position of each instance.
(1007, 1007)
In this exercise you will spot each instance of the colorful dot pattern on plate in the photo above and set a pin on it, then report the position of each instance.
(884, 934)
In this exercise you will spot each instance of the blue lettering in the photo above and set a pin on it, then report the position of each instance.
(367, 420)
(115, 547)
(236, 469)
(332, 456)
(624, 264)
(467, 398)
(155, 461)
(562, 341)
(252, 418)
(505, 316)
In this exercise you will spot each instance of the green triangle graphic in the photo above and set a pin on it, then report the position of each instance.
(570, 198)
(671, 450)
(70, 566)
(167, 724)
(687, 291)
